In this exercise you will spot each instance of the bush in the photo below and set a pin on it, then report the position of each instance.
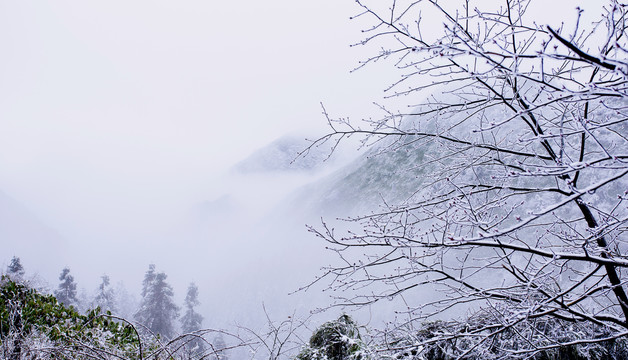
(335, 340)
(476, 339)
(37, 325)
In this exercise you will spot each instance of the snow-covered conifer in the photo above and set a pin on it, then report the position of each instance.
(105, 297)
(149, 277)
(192, 321)
(219, 347)
(66, 292)
(157, 308)
(15, 270)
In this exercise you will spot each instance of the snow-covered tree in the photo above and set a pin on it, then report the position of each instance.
(105, 296)
(157, 308)
(219, 348)
(192, 321)
(149, 277)
(15, 270)
(520, 134)
(66, 291)
(336, 340)
(126, 303)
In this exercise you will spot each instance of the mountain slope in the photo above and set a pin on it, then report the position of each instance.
(283, 155)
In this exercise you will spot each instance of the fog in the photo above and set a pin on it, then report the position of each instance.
(123, 124)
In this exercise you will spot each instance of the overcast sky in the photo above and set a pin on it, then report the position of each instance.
(118, 103)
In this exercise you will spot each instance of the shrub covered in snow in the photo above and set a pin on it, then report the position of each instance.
(481, 337)
(33, 326)
(336, 340)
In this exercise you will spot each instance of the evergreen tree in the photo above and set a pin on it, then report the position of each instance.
(157, 308)
(15, 270)
(126, 303)
(192, 321)
(148, 279)
(66, 292)
(219, 347)
(105, 297)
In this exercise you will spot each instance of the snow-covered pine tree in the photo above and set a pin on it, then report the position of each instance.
(219, 348)
(126, 303)
(15, 270)
(157, 308)
(105, 297)
(192, 321)
(66, 292)
(149, 277)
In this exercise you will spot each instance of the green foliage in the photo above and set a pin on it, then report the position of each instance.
(335, 340)
(24, 311)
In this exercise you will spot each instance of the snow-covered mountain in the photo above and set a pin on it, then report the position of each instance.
(272, 253)
(287, 153)
(380, 175)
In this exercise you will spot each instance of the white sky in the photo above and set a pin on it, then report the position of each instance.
(115, 103)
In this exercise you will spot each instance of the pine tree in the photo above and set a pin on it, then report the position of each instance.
(66, 292)
(148, 279)
(15, 270)
(157, 308)
(219, 348)
(105, 297)
(192, 321)
(126, 303)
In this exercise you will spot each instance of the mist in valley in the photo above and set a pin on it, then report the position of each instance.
(191, 139)
(165, 134)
